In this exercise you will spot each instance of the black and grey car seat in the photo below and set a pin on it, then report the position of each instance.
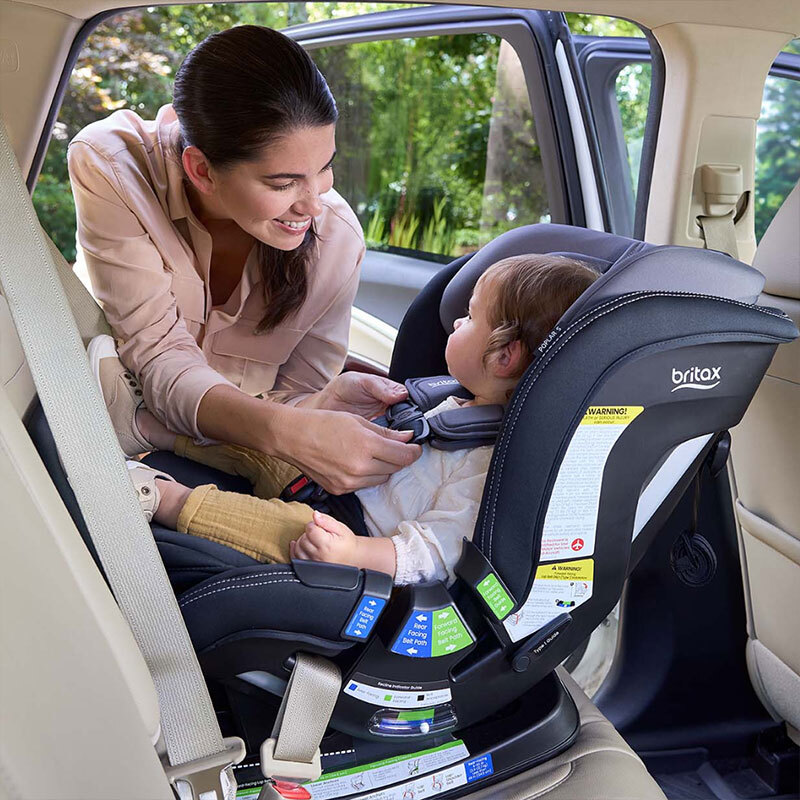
(625, 400)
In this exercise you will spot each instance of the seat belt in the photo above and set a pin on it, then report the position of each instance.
(722, 186)
(719, 233)
(88, 315)
(199, 760)
(292, 753)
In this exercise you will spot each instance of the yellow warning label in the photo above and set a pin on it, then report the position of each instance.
(611, 415)
(567, 571)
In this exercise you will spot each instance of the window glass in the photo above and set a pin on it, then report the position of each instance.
(777, 145)
(633, 97)
(596, 25)
(437, 151)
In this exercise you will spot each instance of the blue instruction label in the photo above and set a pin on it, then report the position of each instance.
(477, 768)
(415, 639)
(364, 617)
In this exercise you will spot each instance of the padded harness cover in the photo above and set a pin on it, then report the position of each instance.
(456, 429)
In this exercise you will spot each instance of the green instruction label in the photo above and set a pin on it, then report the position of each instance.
(449, 633)
(495, 596)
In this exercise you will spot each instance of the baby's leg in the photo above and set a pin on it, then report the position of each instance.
(267, 475)
(259, 528)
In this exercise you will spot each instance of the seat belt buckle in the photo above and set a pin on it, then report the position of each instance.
(202, 779)
(277, 769)
(303, 490)
(283, 790)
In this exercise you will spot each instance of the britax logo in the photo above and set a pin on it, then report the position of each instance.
(696, 378)
(447, 382)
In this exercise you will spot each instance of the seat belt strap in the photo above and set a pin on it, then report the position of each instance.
(96, 471)
(292, 752)
(88, 315)
(720, 233)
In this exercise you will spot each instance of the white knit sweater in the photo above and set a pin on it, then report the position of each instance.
(429, 507)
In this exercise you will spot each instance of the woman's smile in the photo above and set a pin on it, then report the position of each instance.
(293, 227)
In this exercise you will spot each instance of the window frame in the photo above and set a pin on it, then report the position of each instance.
(601, 59)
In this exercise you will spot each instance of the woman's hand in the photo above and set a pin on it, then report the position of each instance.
(358, 393)
(327, 539)
(343, 452)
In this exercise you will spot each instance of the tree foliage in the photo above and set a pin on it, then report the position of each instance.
(777, 147)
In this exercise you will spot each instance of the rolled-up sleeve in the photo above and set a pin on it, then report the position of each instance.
(320, 355)
(133, 286)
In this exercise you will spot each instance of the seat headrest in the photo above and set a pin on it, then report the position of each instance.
(626, 265)
(778, 253)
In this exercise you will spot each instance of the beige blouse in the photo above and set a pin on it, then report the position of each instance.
(148, 260)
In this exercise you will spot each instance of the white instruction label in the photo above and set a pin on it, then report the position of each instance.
(571, 520)
(383, 773)
(368, 780)
(557, 588)
(392, 698)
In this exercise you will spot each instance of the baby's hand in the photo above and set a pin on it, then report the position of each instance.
(326, 539)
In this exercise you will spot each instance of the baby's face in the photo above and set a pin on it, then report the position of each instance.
(468, 341)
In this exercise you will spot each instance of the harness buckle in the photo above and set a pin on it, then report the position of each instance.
(203, 777)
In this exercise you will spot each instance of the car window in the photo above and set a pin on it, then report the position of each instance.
(778, 138)
(437, 143)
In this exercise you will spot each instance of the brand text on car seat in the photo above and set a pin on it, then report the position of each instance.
(696, 378)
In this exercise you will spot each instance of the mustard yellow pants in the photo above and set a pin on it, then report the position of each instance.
(260, 526)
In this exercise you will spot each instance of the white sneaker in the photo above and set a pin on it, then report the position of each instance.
(122, 393)
(143, 478)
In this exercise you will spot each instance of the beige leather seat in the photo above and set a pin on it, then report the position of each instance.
(599, 766)
(766, 469)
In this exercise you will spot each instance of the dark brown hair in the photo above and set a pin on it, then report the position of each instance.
(528, 295)
(235, 93)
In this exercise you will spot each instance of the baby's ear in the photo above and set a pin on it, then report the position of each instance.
(508, 361)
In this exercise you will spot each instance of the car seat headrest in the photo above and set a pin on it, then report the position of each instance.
(658, 268)
(778, 253)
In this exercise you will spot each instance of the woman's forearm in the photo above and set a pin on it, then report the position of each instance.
(229, 415)
(341, 452)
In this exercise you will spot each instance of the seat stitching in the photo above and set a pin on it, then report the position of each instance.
(590, 317)
(185, 603)
(543, 792)
(219, 582)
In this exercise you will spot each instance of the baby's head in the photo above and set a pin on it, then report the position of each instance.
(514, 306)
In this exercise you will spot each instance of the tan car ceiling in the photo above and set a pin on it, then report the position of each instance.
(777, 15)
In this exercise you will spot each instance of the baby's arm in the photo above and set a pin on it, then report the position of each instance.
(326, 539)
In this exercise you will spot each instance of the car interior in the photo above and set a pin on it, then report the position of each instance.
(640, 522)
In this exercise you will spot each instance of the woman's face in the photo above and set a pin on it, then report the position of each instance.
(275, 196)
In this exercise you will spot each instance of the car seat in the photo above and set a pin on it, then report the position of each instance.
(624, 401)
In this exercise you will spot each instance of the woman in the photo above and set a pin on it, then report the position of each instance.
(226, 265)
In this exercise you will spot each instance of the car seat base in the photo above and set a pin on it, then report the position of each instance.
(533, 729)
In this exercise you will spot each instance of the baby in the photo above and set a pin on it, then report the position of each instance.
(418, 518)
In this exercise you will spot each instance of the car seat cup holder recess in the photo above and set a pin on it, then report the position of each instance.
(602, 436)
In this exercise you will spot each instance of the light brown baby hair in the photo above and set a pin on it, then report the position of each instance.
(527, 295)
